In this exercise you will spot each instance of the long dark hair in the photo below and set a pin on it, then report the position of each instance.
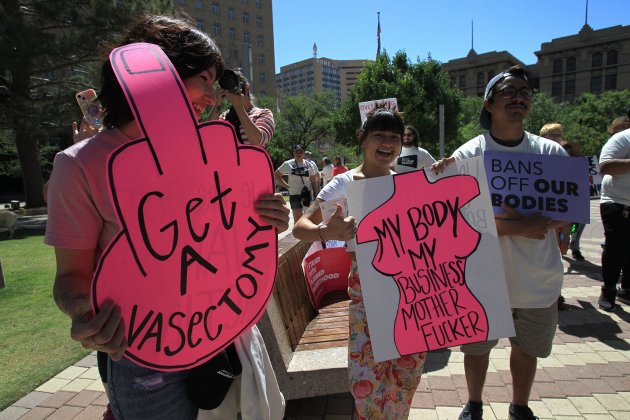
(190, 50)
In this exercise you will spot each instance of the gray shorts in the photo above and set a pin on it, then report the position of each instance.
(535, 329)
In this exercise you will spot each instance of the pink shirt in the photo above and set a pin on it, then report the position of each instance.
(80, 213)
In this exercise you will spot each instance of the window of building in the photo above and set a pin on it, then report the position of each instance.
(557, 65)
(246, 37)
(571, 64)
(462, 81)
(200, 24)
(556, 86)
(216, 9)
(453, 82)
(232, 34)
(610, 82)
(596, 81)
(261, 58)
(569, 84)
(216, 29)
(259, 22)
(260, 41)
(611, 58)
(262, 77)
(231, 13)
(258, 4)
(181, 2)
(245, 17)
(597, 60)
(480, 79)
(199, 4)
(245, 2)
(234, 54)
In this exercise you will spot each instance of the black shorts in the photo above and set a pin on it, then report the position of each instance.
(295, 201)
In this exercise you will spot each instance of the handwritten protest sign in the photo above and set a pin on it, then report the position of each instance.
(193, 265)
(367, 106)
(594, 176)
(554, 186)
(429, 260)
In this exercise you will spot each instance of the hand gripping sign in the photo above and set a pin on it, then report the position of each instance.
(193, 265)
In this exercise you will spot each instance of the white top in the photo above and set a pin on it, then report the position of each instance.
(411, 159)
(327, 173)
(336, 191)
(295, 171)
(533, 268)
(616, 188)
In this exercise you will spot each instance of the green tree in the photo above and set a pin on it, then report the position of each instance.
(302, 120)
(49, 50)
(469, 125)
(419, 89)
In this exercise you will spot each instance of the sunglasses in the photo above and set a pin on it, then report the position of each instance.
(510, 92)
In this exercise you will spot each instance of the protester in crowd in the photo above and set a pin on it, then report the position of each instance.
(412, 156)
(338, 167)
(82, 220)
(619, 124)
(381, 390)
(614, 165)
(575, 229)
(327, 170)
(552, 131)
(308, 158)
(300, 181)
(533, 266)
(253, 125)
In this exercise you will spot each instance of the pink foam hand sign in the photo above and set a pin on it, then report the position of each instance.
(193, 265)
(423, 242)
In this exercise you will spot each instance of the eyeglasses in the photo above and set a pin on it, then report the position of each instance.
(510, 92)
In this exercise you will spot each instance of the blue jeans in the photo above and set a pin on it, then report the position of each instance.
(138, 393)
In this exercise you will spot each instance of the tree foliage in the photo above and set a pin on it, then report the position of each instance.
(305, 120)
(585, 120)
(419, 89)
(50, 50)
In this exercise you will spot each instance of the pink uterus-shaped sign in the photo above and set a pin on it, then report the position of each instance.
(193, 265)
(423, 243)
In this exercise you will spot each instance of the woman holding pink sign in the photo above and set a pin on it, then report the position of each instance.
(384, 389)
(84, 221)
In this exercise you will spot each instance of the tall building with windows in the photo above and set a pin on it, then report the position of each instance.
(315, 75)
(472, 73)
(590, 61)
(243, 30)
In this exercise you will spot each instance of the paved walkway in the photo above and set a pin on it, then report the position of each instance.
(587, 375)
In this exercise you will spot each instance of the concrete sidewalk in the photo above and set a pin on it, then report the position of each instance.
(587, 375)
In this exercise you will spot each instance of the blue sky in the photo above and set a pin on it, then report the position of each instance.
(346, 29)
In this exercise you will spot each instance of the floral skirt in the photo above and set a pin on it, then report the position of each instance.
(381, 390)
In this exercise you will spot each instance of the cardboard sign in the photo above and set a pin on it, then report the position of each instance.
(326, 270)
(554, 186)
(193, 265)
(367, 106)
(594, 176)
(429, 260)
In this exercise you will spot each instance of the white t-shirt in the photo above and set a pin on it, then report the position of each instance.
(314, 170)
(533, 267)
(616, 188)
(298, 175)
(327, 173)
(411, 159)
(336, 190)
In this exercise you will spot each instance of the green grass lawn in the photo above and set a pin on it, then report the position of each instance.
(35, 341)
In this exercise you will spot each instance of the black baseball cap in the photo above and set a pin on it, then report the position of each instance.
(485, 118)
(298, 147)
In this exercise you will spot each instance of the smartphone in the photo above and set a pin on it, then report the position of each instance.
(91, 108)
